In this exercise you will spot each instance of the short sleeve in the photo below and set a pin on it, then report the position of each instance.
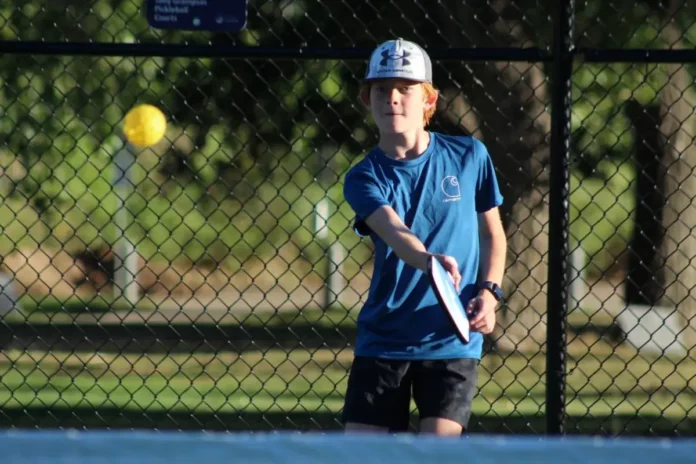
(364, 195)
(488, 194)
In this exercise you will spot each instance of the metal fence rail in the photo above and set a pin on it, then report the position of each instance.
(249, 277)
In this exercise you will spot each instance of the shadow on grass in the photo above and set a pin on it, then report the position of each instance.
(74, 305)
(180, 338)
(166, 338)
(104, 418)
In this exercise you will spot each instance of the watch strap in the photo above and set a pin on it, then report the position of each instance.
(494, 289)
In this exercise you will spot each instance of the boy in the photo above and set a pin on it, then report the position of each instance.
(417, 194)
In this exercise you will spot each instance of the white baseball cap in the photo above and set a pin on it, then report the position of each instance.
(399, 59)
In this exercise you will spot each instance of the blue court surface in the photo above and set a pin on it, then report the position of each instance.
(57, 447)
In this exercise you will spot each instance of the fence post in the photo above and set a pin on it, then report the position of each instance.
(559, 192)
(321, 231)
(125, 258)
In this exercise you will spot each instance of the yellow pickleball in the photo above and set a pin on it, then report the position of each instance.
(144, 125)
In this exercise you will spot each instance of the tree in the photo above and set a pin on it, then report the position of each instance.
(505, 104)
(678, 248)
(645, 273)
(256, 143)
(662, 248)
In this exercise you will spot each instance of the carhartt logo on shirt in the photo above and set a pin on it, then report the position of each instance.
(450, 187)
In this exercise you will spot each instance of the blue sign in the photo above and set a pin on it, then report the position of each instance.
(197, 15)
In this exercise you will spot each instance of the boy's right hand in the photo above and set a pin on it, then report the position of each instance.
(452, 268)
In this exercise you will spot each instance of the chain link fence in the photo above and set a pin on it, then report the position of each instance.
(248, 276)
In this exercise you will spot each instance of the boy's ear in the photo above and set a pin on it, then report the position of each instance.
(431, 99)
(365, 96)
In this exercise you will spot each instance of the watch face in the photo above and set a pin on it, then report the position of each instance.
(495, 289)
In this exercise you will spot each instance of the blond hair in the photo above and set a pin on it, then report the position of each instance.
(428, 89)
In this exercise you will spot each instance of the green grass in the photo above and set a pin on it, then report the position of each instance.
(222, 383)
(302, 381)
(49, 304)
(605, 381)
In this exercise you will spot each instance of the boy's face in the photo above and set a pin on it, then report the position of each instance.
(398, 105)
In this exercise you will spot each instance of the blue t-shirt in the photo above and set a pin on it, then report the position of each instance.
(438, 196)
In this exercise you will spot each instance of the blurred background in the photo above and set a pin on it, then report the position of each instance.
(234, 307)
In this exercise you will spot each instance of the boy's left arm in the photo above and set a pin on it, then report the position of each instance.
(493, 249)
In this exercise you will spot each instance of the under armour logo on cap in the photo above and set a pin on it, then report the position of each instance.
(399, 59)
(386, 57)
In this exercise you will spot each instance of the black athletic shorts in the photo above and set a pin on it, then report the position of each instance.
(379, 391)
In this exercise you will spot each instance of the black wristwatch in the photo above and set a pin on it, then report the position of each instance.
(494, 289)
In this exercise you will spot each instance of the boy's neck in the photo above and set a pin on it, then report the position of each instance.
(405, 146)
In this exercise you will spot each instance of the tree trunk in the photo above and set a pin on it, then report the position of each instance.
(645, 279)
(510, 100)
(679, 160)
